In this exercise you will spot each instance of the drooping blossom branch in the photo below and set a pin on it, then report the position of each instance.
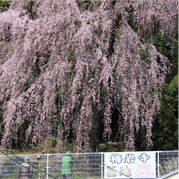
(70, 67)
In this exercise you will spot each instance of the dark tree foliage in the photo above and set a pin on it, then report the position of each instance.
(165, 130)
(169, 48)
(4, 5)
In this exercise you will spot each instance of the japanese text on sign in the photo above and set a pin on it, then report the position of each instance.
(130, 164)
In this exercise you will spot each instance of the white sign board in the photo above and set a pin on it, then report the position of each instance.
(129, 165)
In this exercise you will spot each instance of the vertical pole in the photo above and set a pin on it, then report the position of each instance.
(38, 159)
(102, 165)
(47, 164)
(39, 169)
(158, 164)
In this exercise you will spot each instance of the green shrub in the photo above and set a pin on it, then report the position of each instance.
(4, 5)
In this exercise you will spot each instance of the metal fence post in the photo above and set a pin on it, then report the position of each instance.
(102, 165)
(47, 164)
(158, 163)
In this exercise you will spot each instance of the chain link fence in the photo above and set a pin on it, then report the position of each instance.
(167, 161)
(86, 165)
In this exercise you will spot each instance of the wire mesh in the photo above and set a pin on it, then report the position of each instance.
(9, 166)
(168, 162)
(86, 165)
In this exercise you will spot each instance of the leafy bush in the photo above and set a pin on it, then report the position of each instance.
(111, 147)
(4, 5)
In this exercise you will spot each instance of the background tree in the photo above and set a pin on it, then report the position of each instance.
(151, 27)
(71, 68)
(165, 129)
